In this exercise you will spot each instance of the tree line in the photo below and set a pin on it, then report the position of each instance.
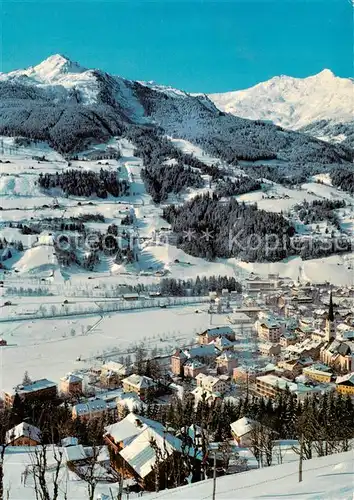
(343, 178)
(85, 183)
(319, 210)
(209, 228)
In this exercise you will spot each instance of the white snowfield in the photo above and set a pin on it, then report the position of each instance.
(293, 102)
(325, 478)
(50, 347)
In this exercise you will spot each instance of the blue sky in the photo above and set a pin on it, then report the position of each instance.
(196, 45)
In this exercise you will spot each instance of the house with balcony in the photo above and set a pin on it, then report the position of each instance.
(139, 446)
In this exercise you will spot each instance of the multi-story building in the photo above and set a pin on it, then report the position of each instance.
(193, 367)
(258, 285)
(345, 384)
(212, 333)
(269, 330)
(94, 408)
(269, 386)
(226, 362)
(320, 373)
(212, 384)
(70, 384)
(178, 359)
(43, 390)
(140, 384)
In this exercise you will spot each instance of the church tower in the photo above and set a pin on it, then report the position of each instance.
(330, 329)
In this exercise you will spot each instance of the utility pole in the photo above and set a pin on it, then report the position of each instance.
(301, 457)
(214, 476)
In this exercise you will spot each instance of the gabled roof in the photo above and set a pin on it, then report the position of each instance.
(115, 367)
(242, 426)
(226, 356)
(217, 331)
(71, 378)
(130, 427)
(141, 456)
(346, 379)
(131, 400)
(23, 430)
(139, 381)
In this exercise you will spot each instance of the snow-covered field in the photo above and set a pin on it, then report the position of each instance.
(50, 347)
(325, 478)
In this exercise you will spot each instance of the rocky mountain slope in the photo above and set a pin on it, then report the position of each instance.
(68, 106)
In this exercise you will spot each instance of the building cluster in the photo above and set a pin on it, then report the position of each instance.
(281, 337)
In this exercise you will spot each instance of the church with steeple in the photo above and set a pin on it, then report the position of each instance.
(336, 353)
(330, 328)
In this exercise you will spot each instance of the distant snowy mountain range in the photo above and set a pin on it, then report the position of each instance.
(322, 105)
(68, 106)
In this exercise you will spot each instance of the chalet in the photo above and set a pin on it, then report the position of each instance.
(23, 434)
(140, 384)
(133, 454)
(345, 384)
(112, 374)
(212, 333)
(113, 367)
(201, 394)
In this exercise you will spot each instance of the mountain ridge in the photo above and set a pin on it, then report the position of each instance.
(293, 103)
(67, 105)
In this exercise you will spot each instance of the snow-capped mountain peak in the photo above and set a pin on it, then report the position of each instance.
(57, 65)
(293, 102)
(50, 70)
